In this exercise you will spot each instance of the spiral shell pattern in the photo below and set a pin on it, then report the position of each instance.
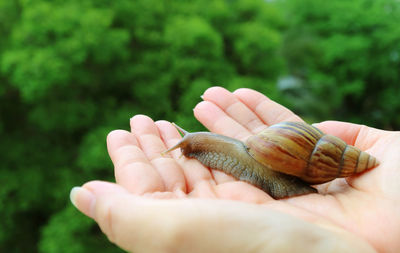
(299, 149)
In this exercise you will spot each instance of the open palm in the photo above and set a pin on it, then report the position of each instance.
(367, 206)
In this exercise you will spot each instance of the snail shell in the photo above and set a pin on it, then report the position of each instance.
(282, 160)
(298, 149)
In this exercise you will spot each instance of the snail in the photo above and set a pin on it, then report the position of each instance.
(283, 160)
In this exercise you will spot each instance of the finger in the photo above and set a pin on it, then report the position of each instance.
(217, 121)
(168, 168)
(267, 110)
(132, 169)
(148, 137)
(120, 144)
(360, 136)
(193, 171)
(150, 141)
(234, 108)
(364, 138)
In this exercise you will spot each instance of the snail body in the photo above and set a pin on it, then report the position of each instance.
(283, 160)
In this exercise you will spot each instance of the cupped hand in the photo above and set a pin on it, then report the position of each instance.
(170, 203)
(367, 205)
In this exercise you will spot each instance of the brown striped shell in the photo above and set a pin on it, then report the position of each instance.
(304, 151)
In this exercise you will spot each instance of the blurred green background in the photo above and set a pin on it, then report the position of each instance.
(71, 71)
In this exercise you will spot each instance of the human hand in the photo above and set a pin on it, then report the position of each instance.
(172, 195)
(367, 205)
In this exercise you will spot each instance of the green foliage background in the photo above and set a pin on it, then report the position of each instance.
(71, 71)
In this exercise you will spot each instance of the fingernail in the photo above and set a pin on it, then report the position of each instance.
(73, 195)
(83, 200)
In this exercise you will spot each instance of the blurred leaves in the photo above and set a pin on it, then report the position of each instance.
(72, 71)
(346, 57)
(256, 50)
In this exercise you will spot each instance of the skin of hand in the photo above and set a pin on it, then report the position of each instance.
(174, 204)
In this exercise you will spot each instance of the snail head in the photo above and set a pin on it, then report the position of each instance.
(183, 143)
(194, 143)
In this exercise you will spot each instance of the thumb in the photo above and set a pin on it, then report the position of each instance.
(139, 224)
(124, 218)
